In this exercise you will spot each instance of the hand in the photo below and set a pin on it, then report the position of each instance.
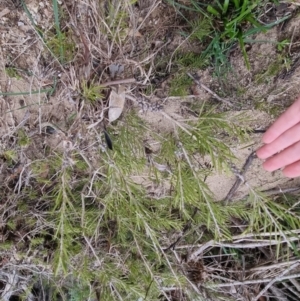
(282, 143)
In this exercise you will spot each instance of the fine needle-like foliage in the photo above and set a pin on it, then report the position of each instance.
(95, 208)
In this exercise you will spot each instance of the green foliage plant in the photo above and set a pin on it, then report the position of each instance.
(91, 92)
(12, 72)
(234, 16)
(100, 222)
(238, 19)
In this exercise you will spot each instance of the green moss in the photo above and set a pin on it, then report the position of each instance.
(36, 242)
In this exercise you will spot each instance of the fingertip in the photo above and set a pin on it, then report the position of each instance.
(292, 170)
(267, 166)
(269, 137)
(290, 174)
(262, 153)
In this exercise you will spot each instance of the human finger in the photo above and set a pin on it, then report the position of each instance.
(285, 140)
(284, 158)
(287, 120)
(292, 170)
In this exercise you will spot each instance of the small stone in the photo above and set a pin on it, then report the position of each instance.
(20, 24)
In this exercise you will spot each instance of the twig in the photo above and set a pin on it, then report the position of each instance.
(181, 97)
(156, 52)
(273, 191)
(21, 124)
(279, 294)
(256, 281)
(209, 90)
(178, 124)
(272, 266)
(93, 251)
(212, 243)
(86, 53)
(240, 177)
(255, 244)
(119, 82)
(292, 39)
(276, 279)
(185, 229)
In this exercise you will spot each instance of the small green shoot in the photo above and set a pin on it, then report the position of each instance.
(281, 46)
(92, 92)
(10, 156)
(61, 46)
(60, 43)
(12, 72)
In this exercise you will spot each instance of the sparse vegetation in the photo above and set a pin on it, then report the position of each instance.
(12, 72)
(123, 211)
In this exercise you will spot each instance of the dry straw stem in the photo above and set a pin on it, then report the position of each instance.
(209, 90)
(276, 279)
(243, 237)
(256, 281)
(119, 82)
(240, 177)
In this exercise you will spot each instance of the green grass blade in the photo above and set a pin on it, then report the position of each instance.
(28, 13)
(56, 14)
(225, 6)
(213, 11)
(236, 4)
(242, 45)
(241, 17)
(244, 7)
(50, 91)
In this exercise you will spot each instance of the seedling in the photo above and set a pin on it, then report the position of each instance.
(61, 46)
(12, 72)
(92, 92)
(282, 45)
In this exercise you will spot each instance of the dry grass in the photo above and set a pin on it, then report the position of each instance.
(93, 210)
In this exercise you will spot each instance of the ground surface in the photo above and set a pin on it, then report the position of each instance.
(40, 94)
(254, 90)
